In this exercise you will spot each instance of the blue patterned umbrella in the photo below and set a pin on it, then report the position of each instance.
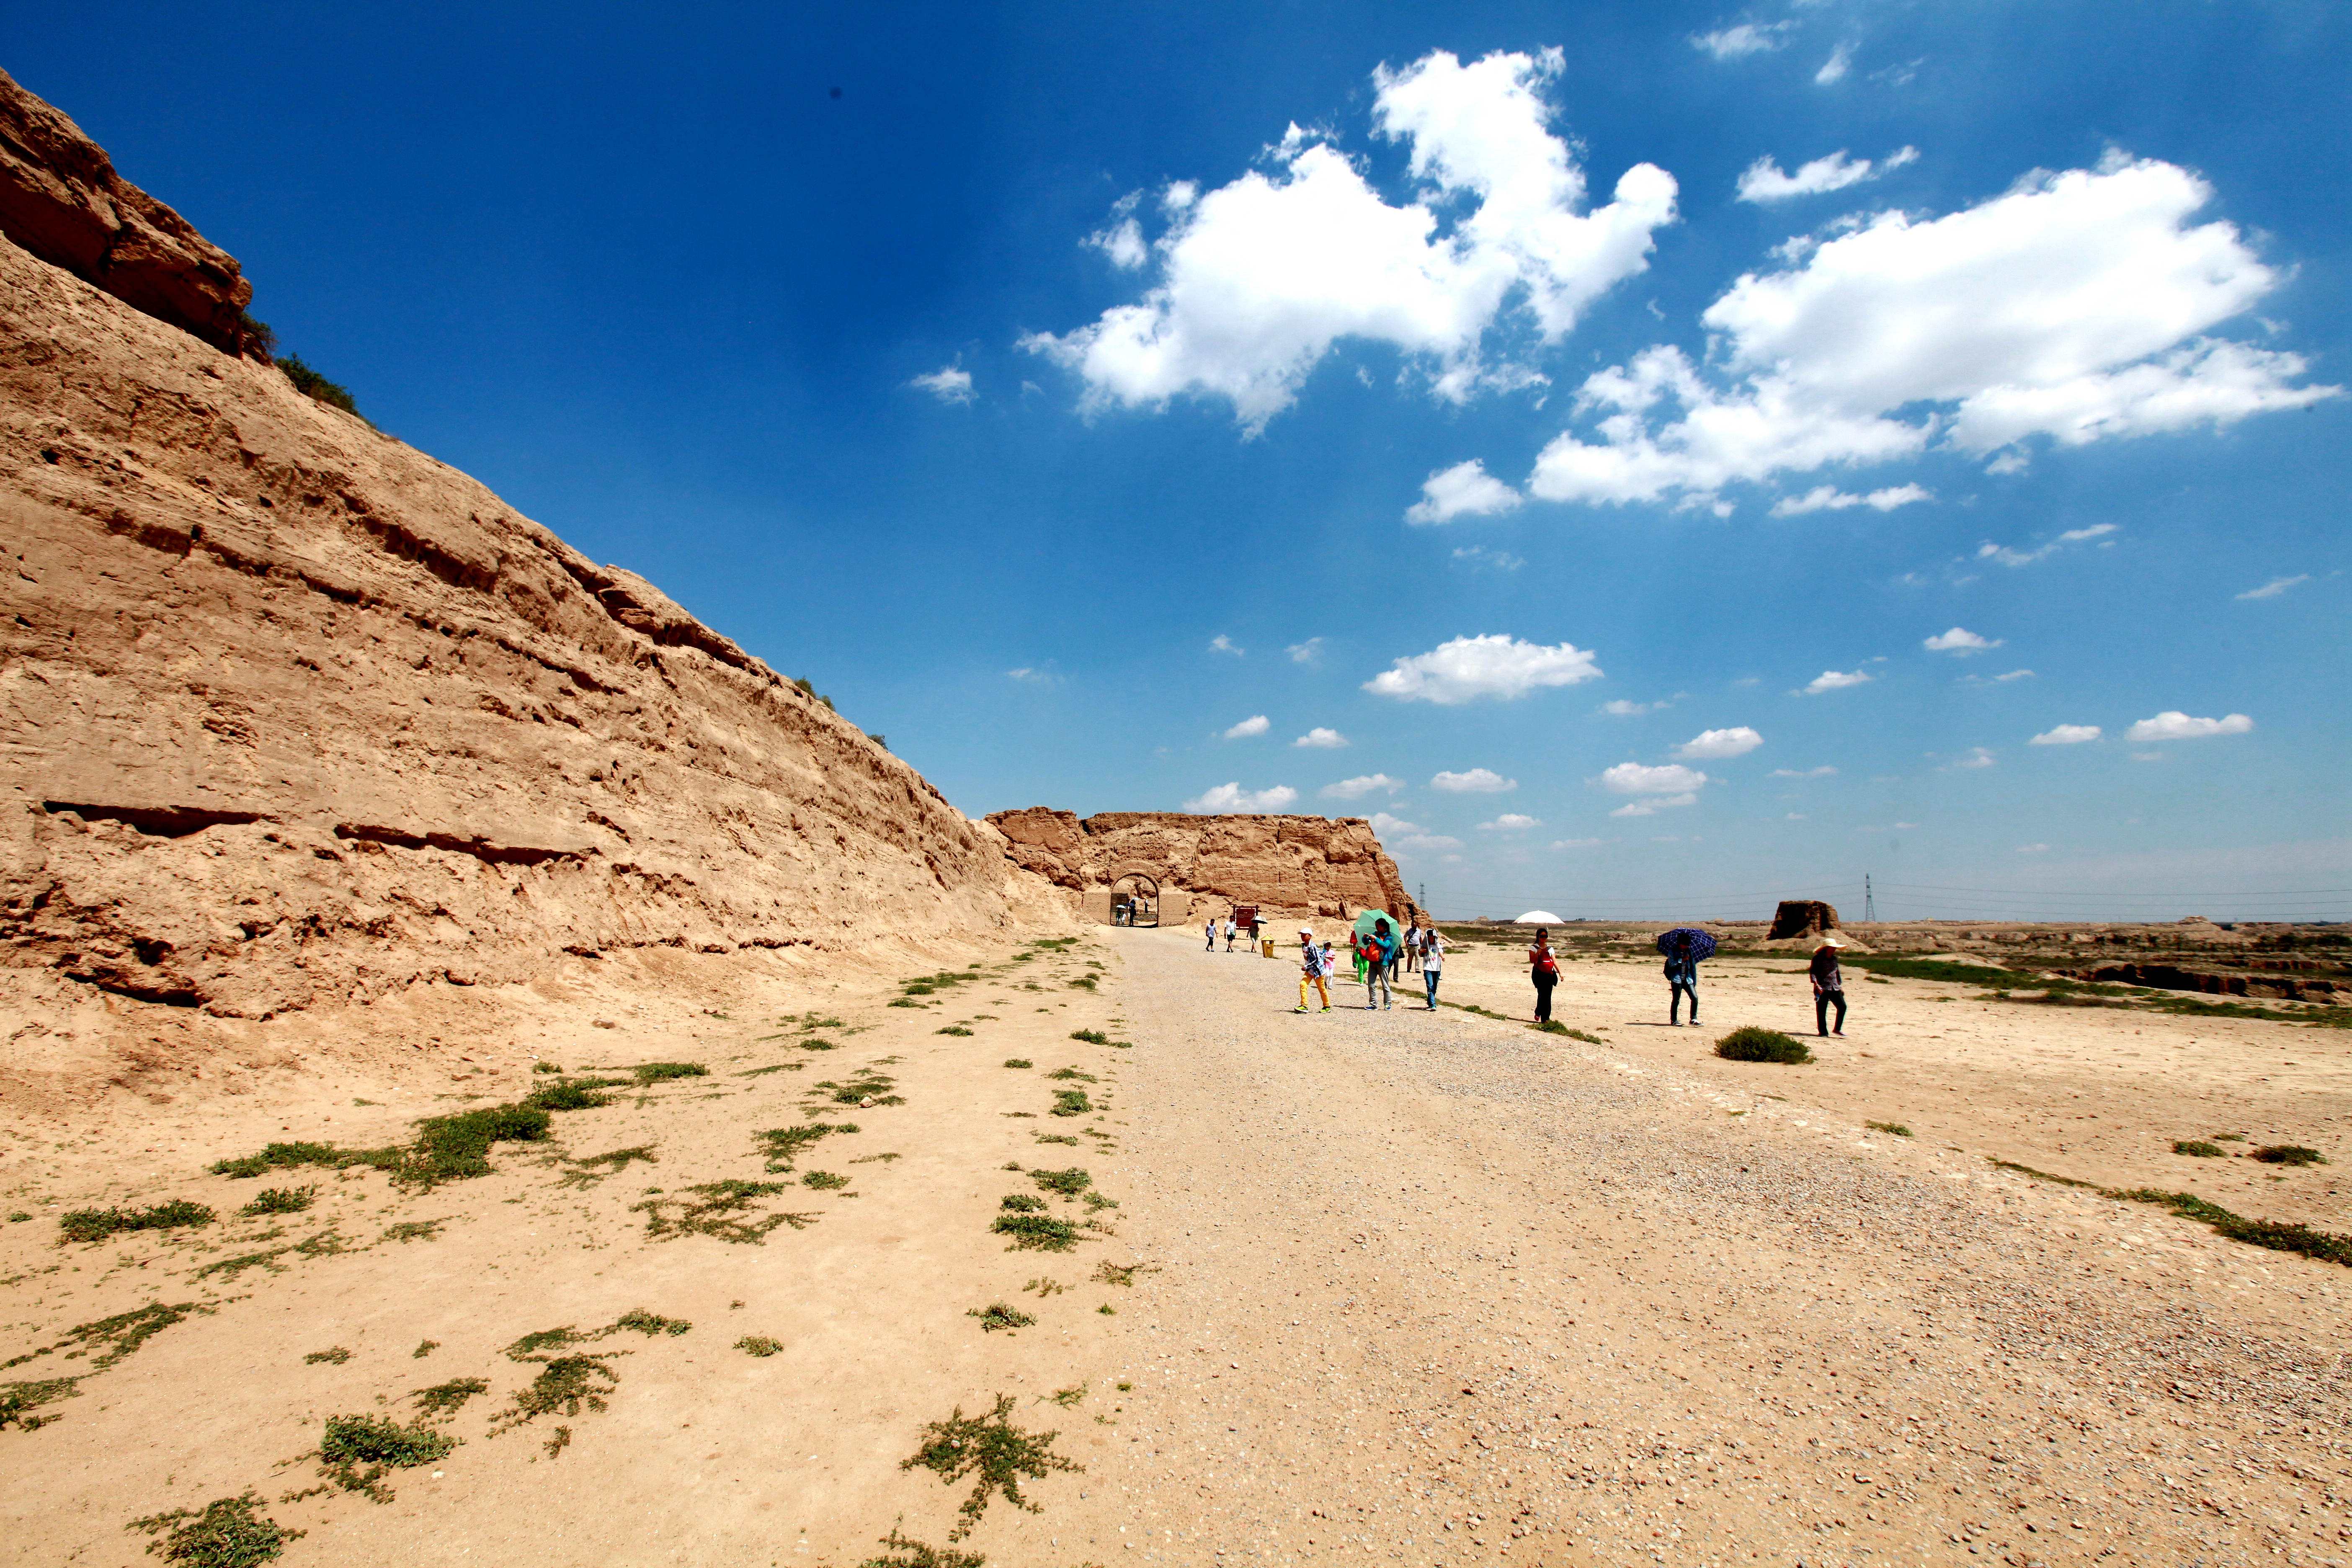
(1687, 942)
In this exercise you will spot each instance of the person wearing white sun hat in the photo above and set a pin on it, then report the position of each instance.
(1828, 987)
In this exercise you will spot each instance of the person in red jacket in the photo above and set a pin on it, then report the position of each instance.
(1544, 970)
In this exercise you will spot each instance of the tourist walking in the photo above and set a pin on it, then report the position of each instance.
(1376, 951)
(1544, 970)
(1210, 931)
(1314, 964)
(1433, 961)
(1412, 944)
(1682, 978)
(1229, 934)
(1829, 988)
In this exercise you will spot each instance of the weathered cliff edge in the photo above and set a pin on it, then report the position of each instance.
(292, 713)
(1286, 865)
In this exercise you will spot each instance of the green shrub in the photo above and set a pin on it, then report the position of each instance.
(96, 1224)
(904, 1552)
(1750, 1044)
(227, 1534)
(1035, 1232)
(573, 1094)
(450, 1148)
(1018, 1062)
(1893, 1129)
(992, 1450)
(2288, 1155)
(759, 1345)
(996, 1317)
(1072, 1102)
(281, 1200)
(952, 1029)
(2197, 1148)
(658, 1072)
(1069, 1182)
(1091, 1037)
(314, 386)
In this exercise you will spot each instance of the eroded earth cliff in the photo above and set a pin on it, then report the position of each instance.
(1286, 865)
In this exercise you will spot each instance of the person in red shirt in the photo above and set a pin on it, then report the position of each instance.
(1544, 970)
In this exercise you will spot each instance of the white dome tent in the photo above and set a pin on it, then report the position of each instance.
(1539, 918)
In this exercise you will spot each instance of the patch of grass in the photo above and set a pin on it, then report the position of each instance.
(1895, 1128)
(2297, 1239)
(1554, 1026)
(19, 1399)
(864, 1086)
(1064, 1075)
(1108, 1310)
(2197, 1149)
(1091, 1037)
(334, 1355)
(882, 1159)
(566, 1385)
(952, 1029)
(1071, 1103)
(898, 1552)
(453, 1148)
(229, 1533)
(823, 1044)
(1110, 1273)
(759, 1345)
(1051, 1137)
(447, 1398)
(722, 1211)
(356, 1452)
(1041, 1287)
(1034, 1232)
(424, 1348)
(639, 1320)
(96, 1224)
(2288, 1155)
(588, 1171)
(1021, 1203)
(413, 1230)
(1019, 1062)
(326, 1243)
(660, 1072)
(1083, 982)
(1942, 969)
(289, 1156)
(1071, 1398)
(318, 389)
(994, 1453)
(776, 1067)
(230, 1267)
(1750, 1044)
(997, 1317)
(546, 1067)
(1069, 1182)
(573, 1094)
(120, 1335)
(281, 1200)
(784, 1144)
(824, 1180)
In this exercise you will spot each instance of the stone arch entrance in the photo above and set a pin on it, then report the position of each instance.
(1135, 900)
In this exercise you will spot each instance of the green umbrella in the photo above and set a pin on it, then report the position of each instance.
(1364, 924)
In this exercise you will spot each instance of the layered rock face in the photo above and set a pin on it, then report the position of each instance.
(292, 713)
(61, 200)
(1285, 865)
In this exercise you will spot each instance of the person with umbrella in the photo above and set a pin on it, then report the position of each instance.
(1376, 951)
(1544, 970)
(1685, 948)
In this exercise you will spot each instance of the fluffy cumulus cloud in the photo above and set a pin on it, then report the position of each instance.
(1321, 739)
(1829, 498)
(949, 383)
(1227, 797)
(2076, 306)
(1765, 181)
(1959, 640)
(2066, 735)
(1509, 822)
(1708, 744)
(1494, 665)
(1362, 785)
(1835, 680)
(1398, 834)
(1255, 724)
(1478, 781)
(1256, 279)
(1655, 789)
(1465, 490)
(2175, 725)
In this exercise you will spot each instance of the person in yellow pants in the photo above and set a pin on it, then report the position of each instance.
(1311, 970)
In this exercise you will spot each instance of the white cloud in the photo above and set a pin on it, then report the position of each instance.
(2006, 556)
(1479, 555)
(1029, 677)
(1321, 739)
(1959, 640)
(1255, 724)
(1308, 652)
(2072, 307)
(1974, 757)
(1362, 785)
(1624, 707)
(1573, 842)
(1637, 778)
(2066, 735)
(2015, 675)
(1650, 805)
(1509, 822)
(1494, 665)
(2274, 587)
(1427, 841)
(1833, 69)
(1465, 490)
(1824, 771)
(1708, 744)
(2010, 462)
(1763, 180)
(1384, 824)
(1836, 679)
(1741, 40)
(949, 383)
(2175, 725)
(1232, 797)
(1829, 498)
(1258, 278)
(1478, 781)
(1221, 643)
(1123, 240)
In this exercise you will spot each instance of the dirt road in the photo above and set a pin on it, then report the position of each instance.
(1439, 1288)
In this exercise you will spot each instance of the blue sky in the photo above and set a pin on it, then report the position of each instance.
(2009, 324)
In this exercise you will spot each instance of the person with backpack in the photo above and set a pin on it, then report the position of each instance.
(1682, 976)
(1433, 961)
(1314, 964)
(1544, 970)
(1376, 950)
(1412, 944)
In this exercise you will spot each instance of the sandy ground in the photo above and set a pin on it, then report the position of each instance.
(1415, 1287)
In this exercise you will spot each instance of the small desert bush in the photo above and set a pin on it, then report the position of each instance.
(1034, 1232)
(993, 1451)
(2288, 1155)
(96, 1224)
(1072, 1102)
(998, 1317)
(1750, 1044)
(901, 1551)
(574, 1094)
(2197, 1149)
(228, 1533)
(1018, 1062)
(759, 1345)
(658, 1072)
(1895, 1128)
(824, 1181)
(281, 1200)
(315, 387)
(358, 1450)
(1091, 1037)
(1069, 1182)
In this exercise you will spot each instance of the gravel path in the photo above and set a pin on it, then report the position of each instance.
(1434, 1288)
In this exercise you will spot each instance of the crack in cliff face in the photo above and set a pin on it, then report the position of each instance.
(156, 821)
(481, 847)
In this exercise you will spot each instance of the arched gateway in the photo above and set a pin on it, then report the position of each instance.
(1135, 900)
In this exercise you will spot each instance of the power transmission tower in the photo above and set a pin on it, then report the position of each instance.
(1869, 903)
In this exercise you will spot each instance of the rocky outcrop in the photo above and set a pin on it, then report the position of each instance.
(61, 200)
(2172, 977)
(291, 713)
(1801, 917)
(1286, 865)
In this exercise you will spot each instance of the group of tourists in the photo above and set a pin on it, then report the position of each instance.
(1381, 952)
